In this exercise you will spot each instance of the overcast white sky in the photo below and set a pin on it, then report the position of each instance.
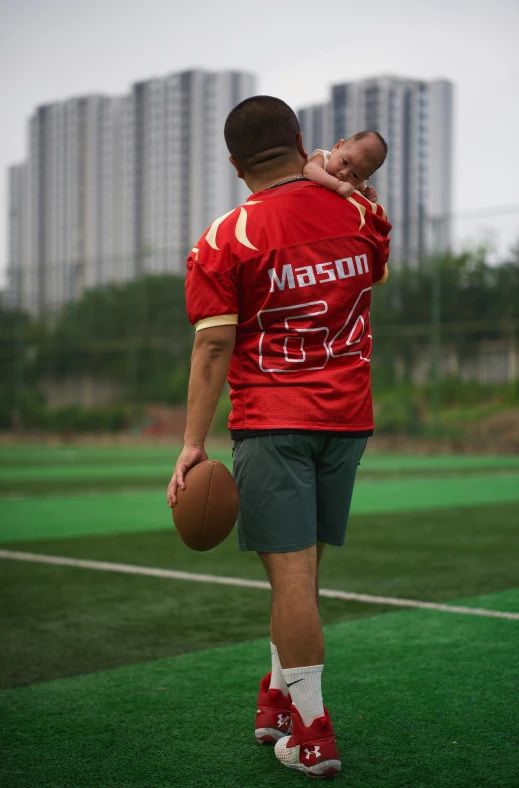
(54, 49)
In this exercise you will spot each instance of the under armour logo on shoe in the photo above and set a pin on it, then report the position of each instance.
(315, 752)
(282, 720)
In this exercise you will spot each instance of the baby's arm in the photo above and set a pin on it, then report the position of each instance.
(314, 171)
(369, 192)
(384, 277)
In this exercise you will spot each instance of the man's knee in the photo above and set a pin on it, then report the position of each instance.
(297, 570)
(295, 588)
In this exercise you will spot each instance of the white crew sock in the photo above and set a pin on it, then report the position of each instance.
(276, 680)
(304, 684)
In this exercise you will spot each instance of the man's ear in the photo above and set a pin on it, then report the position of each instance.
(239, 171)
(337, 145)
(300, 145)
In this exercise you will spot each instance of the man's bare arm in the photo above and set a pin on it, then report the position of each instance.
(210, 359)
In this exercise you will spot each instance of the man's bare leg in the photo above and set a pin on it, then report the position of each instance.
(296, 631)
(296, 624)
(320, 548)
(277, 681)
(298, 634)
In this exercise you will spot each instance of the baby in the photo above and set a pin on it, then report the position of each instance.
(349, 164)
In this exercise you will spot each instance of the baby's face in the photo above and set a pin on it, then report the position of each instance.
(352, 161)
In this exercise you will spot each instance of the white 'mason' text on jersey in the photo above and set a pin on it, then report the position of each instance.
(320, 273)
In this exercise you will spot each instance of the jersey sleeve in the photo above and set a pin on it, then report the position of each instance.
(211, 294)
(374, 223)
(382, 229)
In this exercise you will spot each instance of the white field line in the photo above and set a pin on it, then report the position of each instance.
(174, 574)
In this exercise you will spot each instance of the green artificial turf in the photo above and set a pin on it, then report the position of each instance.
(126, 512)
(38, 471)
(25, 456)
(85, 514)
(37, 454)
(59, 621)
(419, 699)
(72, 471)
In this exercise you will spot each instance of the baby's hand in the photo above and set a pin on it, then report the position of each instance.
(345, 189)
(370, 193)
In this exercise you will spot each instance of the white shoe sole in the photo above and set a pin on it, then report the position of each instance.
(273, 735)
(320, 771)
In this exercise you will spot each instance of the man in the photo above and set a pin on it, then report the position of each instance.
(279, 293)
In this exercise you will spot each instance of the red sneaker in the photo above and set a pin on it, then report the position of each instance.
(273, 715)
(311, 750)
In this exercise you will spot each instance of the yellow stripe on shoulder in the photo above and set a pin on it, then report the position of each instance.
(217, 320)
(372, 205)
(361, 209)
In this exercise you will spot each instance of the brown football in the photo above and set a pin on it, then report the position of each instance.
(206, 511)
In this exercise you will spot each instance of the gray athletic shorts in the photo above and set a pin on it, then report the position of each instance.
(295, 489)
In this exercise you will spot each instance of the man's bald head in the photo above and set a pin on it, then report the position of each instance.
(261, 131)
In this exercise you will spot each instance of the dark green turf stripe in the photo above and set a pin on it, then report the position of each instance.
(59, 621)
(87, 472)
(438, 555)
(43, 471)
(116, 456)
(104, 470)
(418, 699)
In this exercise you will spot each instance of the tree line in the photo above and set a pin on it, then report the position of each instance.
(137, 333)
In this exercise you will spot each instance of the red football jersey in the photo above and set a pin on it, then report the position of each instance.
(293, 267)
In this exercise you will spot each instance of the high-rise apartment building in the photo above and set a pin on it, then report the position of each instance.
(17, 239)
(180, 177)
(315, 122)
(115, 187)
(415, 183)
(75, 175)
